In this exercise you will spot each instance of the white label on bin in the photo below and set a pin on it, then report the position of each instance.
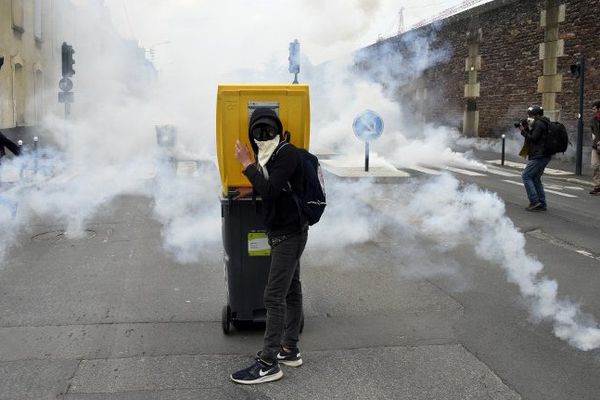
(258, 244)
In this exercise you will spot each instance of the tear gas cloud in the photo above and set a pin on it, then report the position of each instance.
(441, 208)
(109, 148)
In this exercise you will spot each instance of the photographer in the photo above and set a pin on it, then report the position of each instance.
(595, 126)
(534, 130)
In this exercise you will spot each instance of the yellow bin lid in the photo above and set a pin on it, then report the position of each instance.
(235, 104)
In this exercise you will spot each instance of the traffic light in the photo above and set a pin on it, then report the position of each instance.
(294, 57)
(67, 60)
(576, 70)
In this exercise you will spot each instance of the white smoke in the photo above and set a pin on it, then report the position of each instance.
(109, 147)
(440, 208)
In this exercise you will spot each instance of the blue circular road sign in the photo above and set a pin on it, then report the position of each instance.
(368, 126)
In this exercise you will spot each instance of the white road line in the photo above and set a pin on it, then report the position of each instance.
(579, 181)
(428, 171)
(545, 190)
(548, 171)
(464, 171)
(354, 171)
(497, 171)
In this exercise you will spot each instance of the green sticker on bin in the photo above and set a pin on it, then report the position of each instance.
(258, 244)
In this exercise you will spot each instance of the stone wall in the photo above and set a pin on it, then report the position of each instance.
(504, 56)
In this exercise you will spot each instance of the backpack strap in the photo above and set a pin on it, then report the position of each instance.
(290, 190)
(279, 147)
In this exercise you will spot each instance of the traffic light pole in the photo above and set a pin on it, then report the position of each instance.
(65, 84)
(579, 154)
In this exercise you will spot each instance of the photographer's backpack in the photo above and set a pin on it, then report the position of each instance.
(557, 139)
(312, 202)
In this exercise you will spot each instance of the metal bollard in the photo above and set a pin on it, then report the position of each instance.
(22, 167)
(35, 155)
(503, 148)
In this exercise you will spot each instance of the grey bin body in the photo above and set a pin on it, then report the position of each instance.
(245, 274)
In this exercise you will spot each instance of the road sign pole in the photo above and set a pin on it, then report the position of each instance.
(366, 156)
(367, 126)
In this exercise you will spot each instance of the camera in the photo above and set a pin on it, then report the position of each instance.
(521, 123)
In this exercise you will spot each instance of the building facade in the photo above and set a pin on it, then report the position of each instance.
(30, 60)
(31, 36)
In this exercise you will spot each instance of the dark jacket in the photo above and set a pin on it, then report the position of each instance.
(535, 138)
(5, 142)
(281, 213)
(595, 127)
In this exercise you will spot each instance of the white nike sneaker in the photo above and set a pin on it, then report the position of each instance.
(259, 372)
(291, 358)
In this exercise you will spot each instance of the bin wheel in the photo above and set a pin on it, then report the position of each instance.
(301, 325)
(226, 319)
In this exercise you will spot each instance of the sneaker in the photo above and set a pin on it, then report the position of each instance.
(259, 372)
(534, 206)
(595, 191)
(290, 358)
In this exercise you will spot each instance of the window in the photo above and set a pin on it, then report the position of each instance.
(39, 96)
(17, 16)
(19, 95)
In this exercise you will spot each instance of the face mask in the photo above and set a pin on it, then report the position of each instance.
(530, 122)
(265, 150)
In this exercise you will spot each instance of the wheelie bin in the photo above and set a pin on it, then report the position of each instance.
(247, 255)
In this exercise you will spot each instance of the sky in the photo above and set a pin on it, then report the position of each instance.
(326, 30)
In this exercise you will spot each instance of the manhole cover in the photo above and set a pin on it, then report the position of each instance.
(55, 236)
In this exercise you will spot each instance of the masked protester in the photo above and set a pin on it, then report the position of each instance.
(535, 131)
(595, 126)
(5, 142)
(277, 171)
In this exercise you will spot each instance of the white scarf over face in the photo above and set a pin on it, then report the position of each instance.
(265, 151)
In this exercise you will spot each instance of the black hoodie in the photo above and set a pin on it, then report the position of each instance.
(280, 211)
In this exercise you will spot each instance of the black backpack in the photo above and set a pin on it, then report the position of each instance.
(312, 201)
(557, 139)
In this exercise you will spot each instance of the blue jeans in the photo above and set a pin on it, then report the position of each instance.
(283, 296)
(532, 179)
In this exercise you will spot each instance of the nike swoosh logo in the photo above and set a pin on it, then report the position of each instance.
(262, 373)
(280, 357)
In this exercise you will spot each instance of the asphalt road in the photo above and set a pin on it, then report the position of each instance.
(112, 316)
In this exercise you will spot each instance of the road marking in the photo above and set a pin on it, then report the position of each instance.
(545, 190)
(425, 170)
(379, 170)
(463, 171)
(539, 234)
(497, 171)
(560, 187)
(548, 171)
(580, 181)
